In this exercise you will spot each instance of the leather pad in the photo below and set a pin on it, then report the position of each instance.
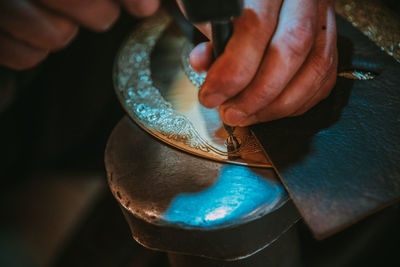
(341, 160)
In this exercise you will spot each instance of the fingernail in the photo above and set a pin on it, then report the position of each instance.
(199, 59)
(198, 50)
(212, 100)
(234, 117)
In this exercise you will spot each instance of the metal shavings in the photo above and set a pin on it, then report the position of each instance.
(357, 75)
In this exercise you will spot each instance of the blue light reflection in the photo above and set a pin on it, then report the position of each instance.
(237, 193)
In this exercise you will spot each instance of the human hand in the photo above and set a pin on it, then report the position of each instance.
(31, 29)
(280, 61)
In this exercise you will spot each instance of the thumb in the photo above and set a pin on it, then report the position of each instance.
(201, 57)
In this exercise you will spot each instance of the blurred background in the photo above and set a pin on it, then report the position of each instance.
(55, 206)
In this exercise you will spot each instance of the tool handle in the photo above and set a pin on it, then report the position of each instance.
(221, 33)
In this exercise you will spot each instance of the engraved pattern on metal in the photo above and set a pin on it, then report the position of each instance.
(194, 77)
(147, 107)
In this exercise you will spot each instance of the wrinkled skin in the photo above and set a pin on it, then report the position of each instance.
(280, 61)
(31, 29)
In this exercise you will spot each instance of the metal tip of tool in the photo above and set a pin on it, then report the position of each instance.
(229, 129)
(232, 143)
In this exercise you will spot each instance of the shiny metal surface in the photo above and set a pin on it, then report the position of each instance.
(166, 104)
(357, 75)
(158, 89)
(183, 204)
(237, 193)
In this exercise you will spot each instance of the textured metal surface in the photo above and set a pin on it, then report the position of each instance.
(381, 25)
(340, 161)
(357, 75)
(156, 93)
(180, 203)
(166, 105)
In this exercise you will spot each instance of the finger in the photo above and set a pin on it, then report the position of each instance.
(285, 55)
(141, 8)
(315, 78)
(36, 26)
(316, 90)
(236, 67)
(321, 94)
(19, 55)
(201, 57)
(97, 15)
(330, 82)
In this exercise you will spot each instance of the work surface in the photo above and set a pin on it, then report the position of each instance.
(340, 161)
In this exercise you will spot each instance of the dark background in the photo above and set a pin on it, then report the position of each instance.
(56, 209)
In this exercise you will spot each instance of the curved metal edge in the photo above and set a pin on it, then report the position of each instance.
(259, 226)
(255, 215)
(162, 20)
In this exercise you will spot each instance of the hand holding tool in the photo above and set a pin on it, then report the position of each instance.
(219, 13)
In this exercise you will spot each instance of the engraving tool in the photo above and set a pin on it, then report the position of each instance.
(152, 81)
(219, 13)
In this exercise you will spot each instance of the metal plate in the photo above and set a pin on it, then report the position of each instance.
(159, 96)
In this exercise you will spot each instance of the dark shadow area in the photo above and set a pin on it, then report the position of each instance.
(292, 137)
(104, 240)
(55, 121)
(371, 242)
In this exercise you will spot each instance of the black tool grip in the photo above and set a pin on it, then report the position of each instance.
(221, 33)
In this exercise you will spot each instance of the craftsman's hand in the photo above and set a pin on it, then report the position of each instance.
(31, 29)
(280, 61)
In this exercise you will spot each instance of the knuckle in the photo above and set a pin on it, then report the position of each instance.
(239, 75)
(267, 92)
(298, 38)
(248, 23)
(286, 106)
(230, 79)
(323, 65)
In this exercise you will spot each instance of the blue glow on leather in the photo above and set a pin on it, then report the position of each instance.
(237, 193)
